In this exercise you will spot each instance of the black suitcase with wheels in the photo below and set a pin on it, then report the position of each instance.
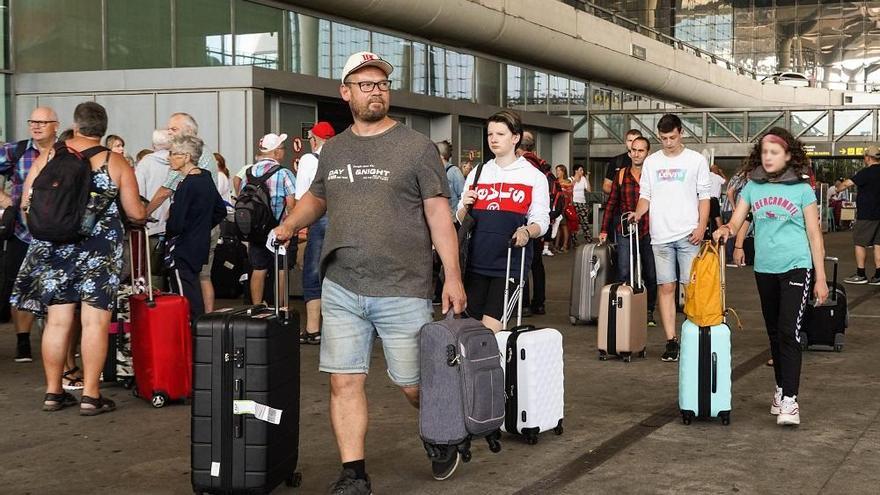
(230, 265)
(245, 406)
(824, 326)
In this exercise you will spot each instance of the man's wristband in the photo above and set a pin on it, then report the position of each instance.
(737, 247)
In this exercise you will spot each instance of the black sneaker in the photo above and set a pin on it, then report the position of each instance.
(23, 353)
(651, 321)
(539, 310)
(856, 279)
(349, 484)
(671, 353)
(875, 280)
(447, 463)
(310, 338)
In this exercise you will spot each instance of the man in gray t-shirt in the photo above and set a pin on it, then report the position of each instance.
(384, 191)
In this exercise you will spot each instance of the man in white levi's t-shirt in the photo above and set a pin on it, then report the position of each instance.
(675, 189)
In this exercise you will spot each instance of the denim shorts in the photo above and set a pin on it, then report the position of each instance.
(312, 260)
(351, 322)
(680, 253)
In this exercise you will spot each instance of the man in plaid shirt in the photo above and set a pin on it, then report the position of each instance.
(624, 197)
(282, 194)
(15, 163)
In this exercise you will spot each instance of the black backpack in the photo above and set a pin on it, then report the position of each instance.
(253, 208)
(60, 195)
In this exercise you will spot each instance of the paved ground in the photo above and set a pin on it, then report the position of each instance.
(622, 429)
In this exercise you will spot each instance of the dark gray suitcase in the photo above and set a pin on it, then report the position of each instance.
(247, 353)
(593, 269)
(462, 385)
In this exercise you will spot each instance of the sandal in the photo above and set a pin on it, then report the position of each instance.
(310, 338)
(98, 406)
(71, 382)
(56, 402)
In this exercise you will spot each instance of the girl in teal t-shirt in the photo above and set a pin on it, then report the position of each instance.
(789, 251)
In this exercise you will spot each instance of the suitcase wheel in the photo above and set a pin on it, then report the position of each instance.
(532, 439)
(725, 417)
(572, 320)
(643, 353)
(159, 400)
(558, 430)
(466, 456)
(603, 356)
(687, 417)
(805, 342)
(838, 347)
(134, 392)
(627, 358)
(295, 480)
(493, 440)
(128, 383)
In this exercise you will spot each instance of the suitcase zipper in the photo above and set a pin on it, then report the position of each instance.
(704, 373)
(611, 331)
(226, 441)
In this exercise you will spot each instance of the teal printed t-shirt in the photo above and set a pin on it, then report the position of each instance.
(781, 242)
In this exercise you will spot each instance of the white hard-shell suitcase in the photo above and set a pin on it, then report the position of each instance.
(533, 369)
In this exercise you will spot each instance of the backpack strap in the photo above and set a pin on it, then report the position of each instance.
(449, 168)
(620, 173)
(20, 148)
(94, 150)
(261, 180)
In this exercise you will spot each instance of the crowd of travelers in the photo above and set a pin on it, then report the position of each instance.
(360, 283)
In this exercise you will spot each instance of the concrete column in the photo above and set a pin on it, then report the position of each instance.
(305, 46)
(562, 144)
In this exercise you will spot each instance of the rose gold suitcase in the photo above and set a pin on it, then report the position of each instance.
(623, 311)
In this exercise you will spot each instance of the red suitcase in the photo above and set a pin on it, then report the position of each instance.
(161, 342)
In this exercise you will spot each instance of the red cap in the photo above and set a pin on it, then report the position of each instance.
(323, 130)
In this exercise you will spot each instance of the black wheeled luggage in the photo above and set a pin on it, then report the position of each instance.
(245, 407)
(824, 326)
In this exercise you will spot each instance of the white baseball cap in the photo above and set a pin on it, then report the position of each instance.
(365, 59)
(271, 142)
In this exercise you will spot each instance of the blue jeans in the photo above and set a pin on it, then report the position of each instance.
(671, 255)
(649, 275)
(352, 322)
(312, 260)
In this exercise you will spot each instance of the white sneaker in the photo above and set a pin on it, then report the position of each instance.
(547, 252)
(789, 413)
(777, 402)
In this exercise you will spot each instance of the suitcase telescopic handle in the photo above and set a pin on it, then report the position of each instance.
(279, 276)
(145, 246)
(518, 292)
(835, 261)
(635, 254)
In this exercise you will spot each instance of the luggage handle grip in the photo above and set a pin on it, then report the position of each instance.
(279, 276)
(515, 299)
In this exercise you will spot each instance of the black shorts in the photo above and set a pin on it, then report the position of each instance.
(866, 233)
(714, 208)
(485, 295)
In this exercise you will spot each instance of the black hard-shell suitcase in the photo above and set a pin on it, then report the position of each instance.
(824, 326)
(245, 354)
(230, 266)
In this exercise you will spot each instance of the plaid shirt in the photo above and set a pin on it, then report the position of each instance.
(624, 197)
(19, 172)
(281, 185)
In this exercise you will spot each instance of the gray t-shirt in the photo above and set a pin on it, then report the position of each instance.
(377, 241)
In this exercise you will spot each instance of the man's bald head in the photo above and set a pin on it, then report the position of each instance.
(43, 125)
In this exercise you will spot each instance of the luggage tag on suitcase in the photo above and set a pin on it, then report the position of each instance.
(260, 411)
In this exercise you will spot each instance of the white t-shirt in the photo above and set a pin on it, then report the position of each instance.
(305, 174)
(581, 188)
(151, 173)
(674, 186)
(224, 187)
(716, 181)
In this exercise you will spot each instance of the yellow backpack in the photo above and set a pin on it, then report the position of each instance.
(704, 302)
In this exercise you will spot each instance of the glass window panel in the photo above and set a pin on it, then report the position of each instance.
(558, 93)
(437, 71)
(692, 124)
(604, 123)
(6, 108)
(845, 118)
(420, 69)
(303, 44)
(203, 33)
(578, 95)
(471, 139)
(347, 40)
(732, 121)
(67, 37)
(324, 48)
(514, 96)
(601, 99)
(394, 50)
(459, 76)
(759, 121)
(4, 35)
(800, 120)
(488, 81)
(139, 34)
(257, 34)
(537, 87)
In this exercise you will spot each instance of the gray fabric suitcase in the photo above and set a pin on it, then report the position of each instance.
(462, 385)
(593, 269)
